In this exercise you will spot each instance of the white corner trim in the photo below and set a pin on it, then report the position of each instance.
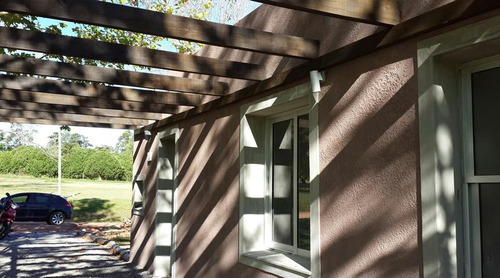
(440, 136)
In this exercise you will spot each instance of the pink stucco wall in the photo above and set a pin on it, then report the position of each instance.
(208, 215)
(369, 163)
(369, 204)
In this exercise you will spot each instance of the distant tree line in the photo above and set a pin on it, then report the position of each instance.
(20, 155)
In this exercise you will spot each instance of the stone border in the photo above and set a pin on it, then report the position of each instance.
(112, 245)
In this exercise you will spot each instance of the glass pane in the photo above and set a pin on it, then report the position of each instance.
(489, 195)
(20, 199)
(282, 169)
(40, 199)
(304, 192)
(486, 115)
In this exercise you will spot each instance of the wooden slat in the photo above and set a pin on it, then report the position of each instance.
(378, 12)
(98, 91)
(165, 25)
(57, 108)
(110, 76)
(119, 53)
(6, 113)
(440, 17)
(47, 98)
(60, 122)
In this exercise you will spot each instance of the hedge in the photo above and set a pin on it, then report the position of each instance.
(78, 163)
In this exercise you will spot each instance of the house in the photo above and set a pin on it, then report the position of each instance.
(314, 139)
(371, 175)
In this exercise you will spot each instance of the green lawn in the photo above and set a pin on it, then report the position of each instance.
(92, 200)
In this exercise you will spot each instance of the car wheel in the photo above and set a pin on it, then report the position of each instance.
(56, 218)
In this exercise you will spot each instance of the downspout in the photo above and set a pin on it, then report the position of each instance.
(316, 78)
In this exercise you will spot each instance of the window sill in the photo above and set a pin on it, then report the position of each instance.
(284, 265)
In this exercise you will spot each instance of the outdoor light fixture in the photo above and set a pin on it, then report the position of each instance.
(316, 77)
(147, 135)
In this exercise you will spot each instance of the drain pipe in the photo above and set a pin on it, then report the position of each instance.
(316, 77)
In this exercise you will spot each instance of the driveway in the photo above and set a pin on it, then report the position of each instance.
(59, 254)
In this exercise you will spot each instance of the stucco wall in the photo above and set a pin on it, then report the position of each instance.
(369, 163)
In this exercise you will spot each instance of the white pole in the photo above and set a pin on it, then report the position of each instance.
(59, 165)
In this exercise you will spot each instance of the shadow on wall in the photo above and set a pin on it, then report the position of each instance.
(369, 186)
(142, 231)
(93, 209)
(207, 215)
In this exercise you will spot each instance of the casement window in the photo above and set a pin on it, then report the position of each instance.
(279, 177)
(288, 191)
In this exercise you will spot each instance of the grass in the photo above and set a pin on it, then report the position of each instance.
(92, 200)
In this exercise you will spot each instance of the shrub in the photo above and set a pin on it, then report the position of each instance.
(73, 165)
(28, 160)
(103, 165)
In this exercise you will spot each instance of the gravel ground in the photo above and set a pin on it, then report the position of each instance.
(58, 255)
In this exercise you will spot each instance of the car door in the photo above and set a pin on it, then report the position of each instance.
(39, 206)
(22, 201)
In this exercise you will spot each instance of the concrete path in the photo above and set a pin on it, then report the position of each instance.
(58, 255)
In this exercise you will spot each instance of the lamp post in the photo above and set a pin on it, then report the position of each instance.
(59, 158)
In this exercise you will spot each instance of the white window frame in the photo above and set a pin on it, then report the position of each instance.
(269, 219)
(254, 247)
(470, 201)
(445, 234)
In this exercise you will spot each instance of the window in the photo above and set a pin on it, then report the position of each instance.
(137, 195)
(20, 199)
(482, 168)
(279, 209)
(289, 187)
(40, 199)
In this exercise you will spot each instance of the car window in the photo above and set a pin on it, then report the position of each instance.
(40, 199)
(20, 199)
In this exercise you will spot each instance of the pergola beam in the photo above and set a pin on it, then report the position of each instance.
(61, 122)
(437, 18)
(96, 91)
(125, 54)
(381, 12)
(48, 98)
(56, 116)
(165, 25)
(111, 76)
(71, 109)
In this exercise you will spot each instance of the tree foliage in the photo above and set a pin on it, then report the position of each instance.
(19, 135)
(223, 11)
(68, 141)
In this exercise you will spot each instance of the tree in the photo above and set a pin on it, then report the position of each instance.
(2, 141)
(125, 142)
(19, 135)
(69, 140)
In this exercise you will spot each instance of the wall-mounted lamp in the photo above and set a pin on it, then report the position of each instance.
(316, 77)
(147, 135)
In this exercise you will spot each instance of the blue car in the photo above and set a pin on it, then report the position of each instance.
(50, 208)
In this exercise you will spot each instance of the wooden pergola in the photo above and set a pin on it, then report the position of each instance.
(50, 101)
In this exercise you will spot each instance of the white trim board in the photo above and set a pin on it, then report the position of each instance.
(441, 144)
